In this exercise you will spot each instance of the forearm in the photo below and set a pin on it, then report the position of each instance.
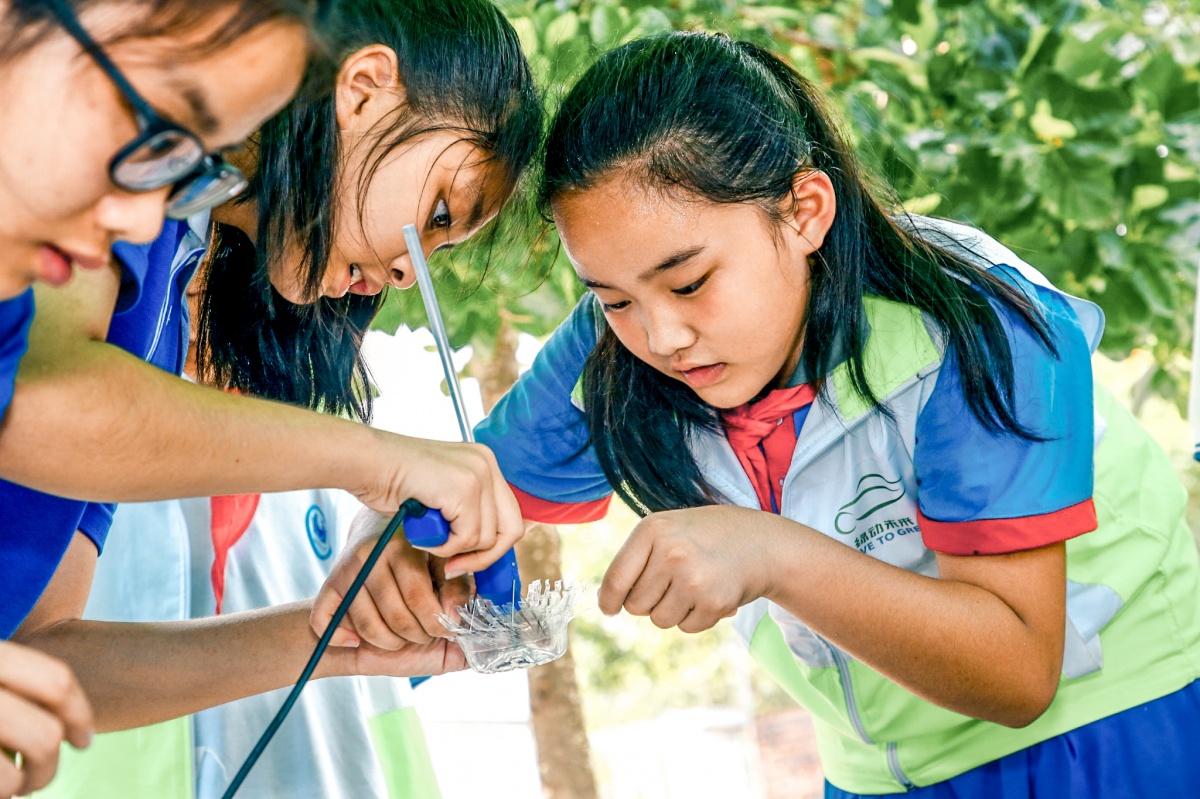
(139, 674)
(96, 423)
(953, 643)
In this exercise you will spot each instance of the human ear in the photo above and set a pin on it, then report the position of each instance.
(366, 77)
(811, 208)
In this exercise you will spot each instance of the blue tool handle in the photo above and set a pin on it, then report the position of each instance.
(500, 583)
(423, 527)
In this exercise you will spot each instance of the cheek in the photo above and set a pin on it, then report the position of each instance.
(780, 302)
(349, 223)
(629, 331)
(63, 188)
(287, 280)
(388, 204)
(55, 183)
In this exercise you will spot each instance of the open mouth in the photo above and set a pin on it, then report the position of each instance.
(359, 283)
(701, 376)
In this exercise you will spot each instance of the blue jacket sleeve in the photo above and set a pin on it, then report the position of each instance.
(539, 433)
(987, 492)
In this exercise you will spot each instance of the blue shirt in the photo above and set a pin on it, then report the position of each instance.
(151, 321)
(15, 316)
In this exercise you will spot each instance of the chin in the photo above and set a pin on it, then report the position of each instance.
(725, 397)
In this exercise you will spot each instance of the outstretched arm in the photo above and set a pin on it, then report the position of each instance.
(142, 673)
(985, 639)
(90, 421)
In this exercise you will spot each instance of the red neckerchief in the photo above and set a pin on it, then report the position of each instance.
(763, 436)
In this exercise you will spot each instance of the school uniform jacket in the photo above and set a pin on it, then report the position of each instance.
(929, 479)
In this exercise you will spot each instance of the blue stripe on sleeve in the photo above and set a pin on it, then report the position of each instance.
(96, 521)
(968, 473)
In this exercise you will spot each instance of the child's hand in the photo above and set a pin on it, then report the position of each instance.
(400, 601)
(691, 568)
(462, 481)
(41, 705)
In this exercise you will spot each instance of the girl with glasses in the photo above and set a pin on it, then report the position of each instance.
(93, 419)
(432, 118)
(86, 159)
(105, 140)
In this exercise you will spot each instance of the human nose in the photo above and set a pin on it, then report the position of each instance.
(136, 217)
(400, 272)
(667, 332)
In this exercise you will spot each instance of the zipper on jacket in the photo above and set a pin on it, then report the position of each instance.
(897, 772)
(893, 759)
(191, 259)
(839, 657)
(848, 694)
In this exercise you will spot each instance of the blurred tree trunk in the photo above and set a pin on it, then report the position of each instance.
(564, 757)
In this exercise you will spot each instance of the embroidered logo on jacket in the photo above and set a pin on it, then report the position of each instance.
(875, 492)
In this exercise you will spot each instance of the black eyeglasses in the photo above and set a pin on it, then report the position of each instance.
(163, 154)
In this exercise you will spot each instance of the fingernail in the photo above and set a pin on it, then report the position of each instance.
(454, 574)
(87, 739)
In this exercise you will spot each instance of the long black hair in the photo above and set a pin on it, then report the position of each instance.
(728, 122)
(463, 70)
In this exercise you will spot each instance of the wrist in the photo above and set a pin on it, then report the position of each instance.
(367, 465)
(787, 551)
(338, 661)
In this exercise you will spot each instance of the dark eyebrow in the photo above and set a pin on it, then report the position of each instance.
(670, 262)
(206, 122)
(476, 213)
